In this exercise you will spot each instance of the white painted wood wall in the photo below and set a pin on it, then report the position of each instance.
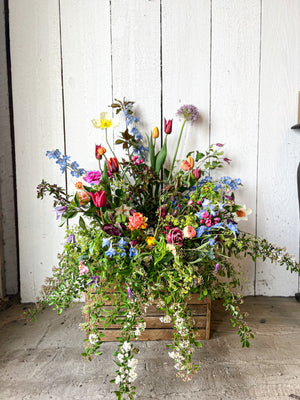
(237, 61)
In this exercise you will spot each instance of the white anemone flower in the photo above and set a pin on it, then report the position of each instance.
(105, 121)
(242, 214)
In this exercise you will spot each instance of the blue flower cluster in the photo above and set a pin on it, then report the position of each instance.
(121, 252)
(232, 183)
(131, 119)
(63, 162)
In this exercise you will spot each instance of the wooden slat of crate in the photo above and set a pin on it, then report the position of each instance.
(157, 330)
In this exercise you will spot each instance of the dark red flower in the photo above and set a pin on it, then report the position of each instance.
(111, 230)
(162, 212)
(175, 236)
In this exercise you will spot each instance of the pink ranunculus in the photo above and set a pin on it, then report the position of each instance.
(175, 236)
(99, 198)
(216, 220)
(189, 232)
(93, 177)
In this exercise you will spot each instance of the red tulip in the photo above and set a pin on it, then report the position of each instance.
(99, 151)
(99, 198)
(113, 165)
(168, 126)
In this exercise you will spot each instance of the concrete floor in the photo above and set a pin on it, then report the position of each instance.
(42, 360)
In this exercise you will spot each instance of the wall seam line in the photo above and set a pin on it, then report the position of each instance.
(13, 145)
(62, 89)
(161, 75)
(257, 139)
(210, 74)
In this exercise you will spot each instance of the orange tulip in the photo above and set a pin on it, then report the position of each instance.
(187, 164)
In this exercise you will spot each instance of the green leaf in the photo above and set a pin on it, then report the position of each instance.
(82, 223)
(198, 344)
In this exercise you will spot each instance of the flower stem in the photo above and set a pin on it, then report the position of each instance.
(109, 144)
(179, 139)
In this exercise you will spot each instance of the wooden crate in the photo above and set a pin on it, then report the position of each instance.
(157, 330)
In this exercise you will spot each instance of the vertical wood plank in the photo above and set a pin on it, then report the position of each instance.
(279, 146)
(136, 59)
(36, 80)
(234, 100)
(186, 70)
(86, 52)
(8, 247)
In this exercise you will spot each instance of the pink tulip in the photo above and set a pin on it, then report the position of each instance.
(99, 198)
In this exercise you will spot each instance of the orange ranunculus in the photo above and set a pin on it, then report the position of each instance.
(189, 232)
(136, 221)
(187, 164)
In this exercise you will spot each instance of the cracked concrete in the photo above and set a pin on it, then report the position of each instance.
(42, 360)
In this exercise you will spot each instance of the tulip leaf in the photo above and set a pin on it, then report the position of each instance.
(161, 156)
(151, 151)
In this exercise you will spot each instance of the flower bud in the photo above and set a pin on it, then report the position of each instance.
(196, 173)
(168, 126)
(99, 151)
(155, 133)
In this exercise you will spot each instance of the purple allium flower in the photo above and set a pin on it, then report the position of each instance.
(189, 112)
(60, 210)
(93, 177)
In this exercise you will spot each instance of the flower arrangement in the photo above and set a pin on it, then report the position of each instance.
(146, 234)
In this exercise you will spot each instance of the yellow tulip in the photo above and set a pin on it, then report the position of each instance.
(155, 133)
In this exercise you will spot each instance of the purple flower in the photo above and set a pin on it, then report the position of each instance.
(111, 230)
(94, 280)
(129, 292)
(217, 268)
(60, 210)
(227, 160)
(219, 145)
(93, 177)
(71, 239)
(189, 113)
